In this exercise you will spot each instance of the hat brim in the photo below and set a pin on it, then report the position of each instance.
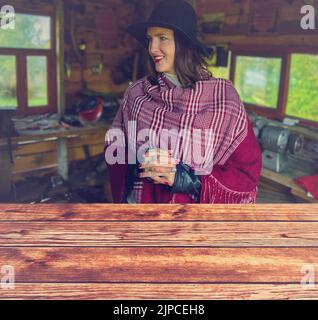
(139, 32)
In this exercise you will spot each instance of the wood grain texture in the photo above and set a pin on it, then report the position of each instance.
(150, 291)
(151, 264)
(158, 212)
(102, 251)
(167, 233)
(287, 180)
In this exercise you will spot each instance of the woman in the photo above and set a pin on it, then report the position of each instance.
(180, 135)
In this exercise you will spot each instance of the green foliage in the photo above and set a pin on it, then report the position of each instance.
(257, 80)
(220, 72)
(37, 81)
(8, 82)
(32, 32)
(303, 87)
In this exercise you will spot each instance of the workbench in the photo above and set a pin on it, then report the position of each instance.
(100, 251)
(54, 149)
(285, 182)
(45, 149)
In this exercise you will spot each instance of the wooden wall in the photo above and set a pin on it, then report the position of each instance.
(258, 22)
(100, 26)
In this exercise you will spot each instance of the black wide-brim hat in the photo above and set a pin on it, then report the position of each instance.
(172, 14)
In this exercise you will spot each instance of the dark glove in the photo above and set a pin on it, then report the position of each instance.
(186, 181)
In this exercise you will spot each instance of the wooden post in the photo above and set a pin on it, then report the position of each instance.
(62, 157)
(6, 173)
(60, 57)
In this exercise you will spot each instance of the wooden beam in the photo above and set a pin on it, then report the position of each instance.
(159, 234)
(160, 265)
(162, 291)
(159, 212)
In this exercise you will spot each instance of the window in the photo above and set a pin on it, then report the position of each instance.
(8, 82)
(30, 32)
(257, 80)
(302, 101)
(27, 64)
(219, 72)
(277, 82)
(37, 81)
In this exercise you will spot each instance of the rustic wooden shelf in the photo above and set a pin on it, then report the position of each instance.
(44, 149)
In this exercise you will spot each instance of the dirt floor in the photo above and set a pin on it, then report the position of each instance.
(86, 185)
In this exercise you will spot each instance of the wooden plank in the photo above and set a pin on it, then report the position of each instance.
(159, 234)
(160, 265)
(38, 161)
(79, 154)
(280, 178)
(39, 135)
(35, 148)
(140, 291)
(158, 212)
(268, 196)
(94, 138)
(34, 162)
(287, 181)
(279, 41)
(303, 195)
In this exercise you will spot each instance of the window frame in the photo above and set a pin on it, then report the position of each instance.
(21, 68)
(285, 54)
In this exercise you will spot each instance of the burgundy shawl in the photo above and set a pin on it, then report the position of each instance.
(230, 159)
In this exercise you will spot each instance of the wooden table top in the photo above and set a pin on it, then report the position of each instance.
(40, 135)
(106, 251)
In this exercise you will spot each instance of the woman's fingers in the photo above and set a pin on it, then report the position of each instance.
(160, 160)
(159, 156)
(160, 180)
(151, 174)
(154, 152)
(158, 168)
(164, 178)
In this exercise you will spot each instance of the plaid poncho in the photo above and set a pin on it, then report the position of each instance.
(209, 120)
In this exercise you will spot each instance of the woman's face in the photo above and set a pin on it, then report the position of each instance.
(162, 48)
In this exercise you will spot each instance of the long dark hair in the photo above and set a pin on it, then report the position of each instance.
(190, 63)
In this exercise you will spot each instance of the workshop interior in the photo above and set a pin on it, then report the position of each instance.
(65, 65)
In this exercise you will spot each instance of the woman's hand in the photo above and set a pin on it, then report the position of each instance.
(159, 166)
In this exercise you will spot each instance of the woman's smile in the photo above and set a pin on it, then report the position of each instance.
(162, 48)
(158, 59)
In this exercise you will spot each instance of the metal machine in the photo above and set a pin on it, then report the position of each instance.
(276, 143)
